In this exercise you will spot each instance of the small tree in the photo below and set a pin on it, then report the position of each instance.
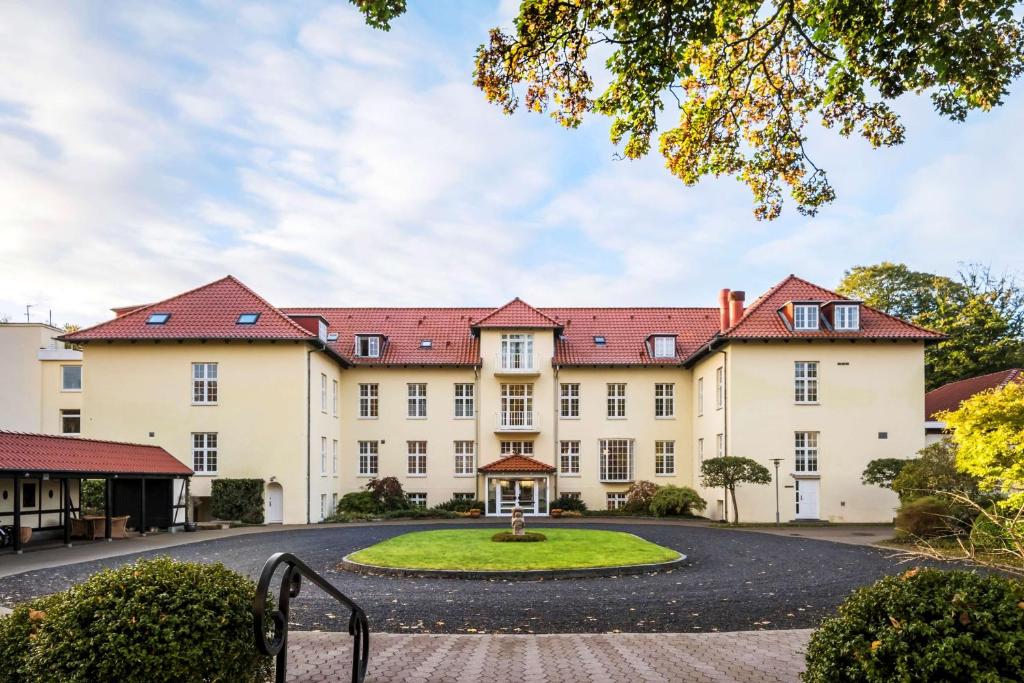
(728, 472)
(882, 471)
(388, 493)
(934, 472)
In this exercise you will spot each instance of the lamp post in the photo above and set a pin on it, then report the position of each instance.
(776, 461)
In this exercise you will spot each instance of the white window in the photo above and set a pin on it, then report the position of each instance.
(517, 405)
(806, 452)
(519, 447)
(719, 445)
(323, 393)
(700, 396)
(334, 457)
(417, 400)
(368, 399)
(465, 400)
(71, 422)
(516, 352)
(847, 317)
(719, 388)
(71, 378)
(204, 452)
(323, 505)
(417, 458)
(462, 495)
(323, 456)
(368, 346)
(616, 500)
(616, 460)
(616, 400)
(465, 459)
(700, 451)
(417, 500)
(664, 400)
(204, 383)
(368, 458)
(805, 379)
(334, 398)
(805, 316)
(569, 459)
(664, 458)
(569, 401)
(665, 347)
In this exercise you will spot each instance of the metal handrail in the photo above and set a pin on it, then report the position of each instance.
(291, 581)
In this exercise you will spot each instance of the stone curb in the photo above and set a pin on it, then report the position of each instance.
(507, 575)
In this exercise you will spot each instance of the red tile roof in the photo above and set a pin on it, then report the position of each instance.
(762, 320)
(950, 396)
(517, 314)
(208, 312)
(517, 463)
(20, 452)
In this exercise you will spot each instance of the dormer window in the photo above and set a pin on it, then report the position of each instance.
(805, 316)
(368, 346)
(248, 318)
(664, 347)
(600, 341)
(157, 318)
(847, 317)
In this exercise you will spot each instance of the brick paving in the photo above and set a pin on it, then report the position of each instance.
(741, 656)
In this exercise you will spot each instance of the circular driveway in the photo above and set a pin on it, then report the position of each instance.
(733, 581)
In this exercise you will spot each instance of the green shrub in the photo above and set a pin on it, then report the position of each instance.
(988, 535)
(359, 502)
(152, 621)
(527, 537)
(345, 517)
(676, 500)
(94, 496)
(927, 517)
(388, 493)
(240, 499)
(460, 505)
(569, 503)
(418, 513)
(924, 625)
(934, 471)
(638, 497)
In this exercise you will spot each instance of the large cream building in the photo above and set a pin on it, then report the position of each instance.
(40, 380)
(515, 405)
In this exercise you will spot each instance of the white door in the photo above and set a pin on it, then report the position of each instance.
(807, 499)
(275, 504)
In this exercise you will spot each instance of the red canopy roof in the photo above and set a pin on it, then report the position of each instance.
(516, 463)
(517, 314)
(42, 453)
(950, 396)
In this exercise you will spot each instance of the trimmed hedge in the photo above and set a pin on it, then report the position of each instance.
(568, 504)
(240, 499)
(527, 537)
(924, 625)
(460, 505)
(359, 503)
(152, 621)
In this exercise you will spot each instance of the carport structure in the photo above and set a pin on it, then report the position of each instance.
(41, 483)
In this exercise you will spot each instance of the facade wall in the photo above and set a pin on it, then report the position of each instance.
(53, 398)
(47, 497)
(142, 393)
(31, 396)
(864, 389)
(709, 421)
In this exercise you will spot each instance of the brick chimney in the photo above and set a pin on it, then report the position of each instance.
(723, 309)
(736, 299)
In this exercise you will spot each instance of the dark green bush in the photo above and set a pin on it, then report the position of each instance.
(345, 517)
(388, 493)
(570, 503)
(934, 471)
(927, 517)
(924, 625)
(359, 502)
(152, 621)
(527, 537)
(638, 497)
(676, 500)
(418, 513)
(240, 499)
(94, 496)
(460, 505)
(986, 534)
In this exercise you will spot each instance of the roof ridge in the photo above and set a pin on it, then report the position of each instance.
(505, 306)
(267, 303)
(80, 439)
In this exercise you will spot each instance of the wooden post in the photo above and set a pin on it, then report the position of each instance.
(188, 498)
(65, 486)
(142, 509)
(17, 515)
(108, 495)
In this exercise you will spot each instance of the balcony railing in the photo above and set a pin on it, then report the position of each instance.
(517, 421)
(515, 363)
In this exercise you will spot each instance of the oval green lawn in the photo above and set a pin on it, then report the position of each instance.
(473, 549)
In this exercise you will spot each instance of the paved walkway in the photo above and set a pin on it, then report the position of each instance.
(746, 656)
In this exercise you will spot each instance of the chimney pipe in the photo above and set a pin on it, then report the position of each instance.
(723, 309)
(736, 299)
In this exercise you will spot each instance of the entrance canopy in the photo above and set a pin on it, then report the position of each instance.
(517, 481)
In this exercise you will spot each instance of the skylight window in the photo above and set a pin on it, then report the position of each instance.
(248, 318)
(600, 341)
(426, 343)
(157, 318)
(332, 336)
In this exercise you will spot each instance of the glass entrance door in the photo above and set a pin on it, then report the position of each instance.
(512, 492)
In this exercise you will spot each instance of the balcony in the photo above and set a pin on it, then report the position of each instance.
(517, 421)
(518, 364)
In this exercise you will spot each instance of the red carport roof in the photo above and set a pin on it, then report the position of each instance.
(517, 463)
(40, 453)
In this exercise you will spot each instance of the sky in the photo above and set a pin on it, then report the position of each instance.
(149, 149)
